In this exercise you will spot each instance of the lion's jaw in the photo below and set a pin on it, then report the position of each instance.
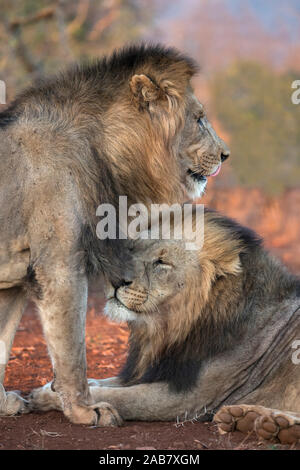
(126, 304)
(118, 312)
(195, 185)
(131, 306)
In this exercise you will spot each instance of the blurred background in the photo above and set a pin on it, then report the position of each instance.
(249, 54)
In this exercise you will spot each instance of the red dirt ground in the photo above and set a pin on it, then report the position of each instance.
(30, 367)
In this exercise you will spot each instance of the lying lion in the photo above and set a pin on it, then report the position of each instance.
(210, 330)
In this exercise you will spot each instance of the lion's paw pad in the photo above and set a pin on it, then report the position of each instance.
(268, 424)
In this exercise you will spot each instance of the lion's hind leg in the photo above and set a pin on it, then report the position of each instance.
(266, 423)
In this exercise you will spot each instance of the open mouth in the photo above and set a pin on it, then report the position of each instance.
(202, 178)
(197, 177)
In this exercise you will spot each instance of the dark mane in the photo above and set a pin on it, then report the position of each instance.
(128, 59)
(249, 238)
(94, 81)
(8, 116)
(180, 365)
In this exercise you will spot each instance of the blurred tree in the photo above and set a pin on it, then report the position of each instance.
(40, 36)
(253, 104)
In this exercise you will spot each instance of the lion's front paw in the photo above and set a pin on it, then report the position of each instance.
(101, 414)
(11, 403)
(267, 423)
(44, 399)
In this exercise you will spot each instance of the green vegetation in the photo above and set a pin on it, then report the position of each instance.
(253, 104)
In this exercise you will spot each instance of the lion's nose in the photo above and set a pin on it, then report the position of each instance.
(225, 155)
(123, 283)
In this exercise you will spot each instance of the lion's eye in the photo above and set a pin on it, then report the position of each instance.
(161, 263)
(158, 262)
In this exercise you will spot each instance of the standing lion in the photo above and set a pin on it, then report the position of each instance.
(124, 125)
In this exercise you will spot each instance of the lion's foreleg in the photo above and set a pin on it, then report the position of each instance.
(150, 402)
(145, 402)
(63, 310)
(45, 399)
(12, 305)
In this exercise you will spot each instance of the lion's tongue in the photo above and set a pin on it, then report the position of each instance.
(217, 171)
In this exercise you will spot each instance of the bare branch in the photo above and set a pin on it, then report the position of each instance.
(105, 21)
(82, 12)
(44, 14)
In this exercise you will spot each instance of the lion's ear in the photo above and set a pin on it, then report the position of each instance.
(144, 89)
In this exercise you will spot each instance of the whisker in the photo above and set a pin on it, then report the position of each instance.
(152, 303)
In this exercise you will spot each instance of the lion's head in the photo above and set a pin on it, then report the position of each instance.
(202, 151)
(160, 269)
(165, 144)
(168, 278)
